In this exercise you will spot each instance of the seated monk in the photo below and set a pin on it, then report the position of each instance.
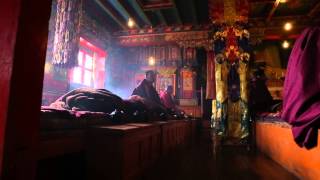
(146, 90)
(167, 100)
(261, 99)
(148, 109)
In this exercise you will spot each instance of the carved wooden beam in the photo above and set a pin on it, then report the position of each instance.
(192, 38)
(162, 29)
(274, 8)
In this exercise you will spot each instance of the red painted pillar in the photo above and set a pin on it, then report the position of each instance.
(9, 11)
(23, 41)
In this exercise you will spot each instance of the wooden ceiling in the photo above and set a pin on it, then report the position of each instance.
(268, 15)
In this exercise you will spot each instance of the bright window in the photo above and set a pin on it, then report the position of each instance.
(77, 77)
(82, 74)
(88, 62)
(80, 58)
(90, 71)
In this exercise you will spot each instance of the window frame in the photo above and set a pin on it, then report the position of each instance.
(88, 49)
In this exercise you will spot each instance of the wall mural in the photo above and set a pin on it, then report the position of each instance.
(187, 78)
(166, 76)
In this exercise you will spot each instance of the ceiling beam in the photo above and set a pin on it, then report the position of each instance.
(261, 1)
(279, 20)
(100, 15)
(176, 13)
(274, 8)
(129, 12)
(161, 17)
(316, 9)
(193, 12)
(112, 12)
(177, 16)
(141, 13)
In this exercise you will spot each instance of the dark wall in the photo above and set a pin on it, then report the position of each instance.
(201, 70)
(272, 53)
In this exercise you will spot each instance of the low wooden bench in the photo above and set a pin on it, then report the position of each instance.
(123, 151)
(117, 151)
(58, 143)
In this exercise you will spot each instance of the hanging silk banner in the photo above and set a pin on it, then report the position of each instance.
(230, 111)
(211, 86)
(66, 36)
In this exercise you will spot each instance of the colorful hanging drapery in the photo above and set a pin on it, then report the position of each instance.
(211, 86)
(228, 11)
(66, 36)
(230, 107)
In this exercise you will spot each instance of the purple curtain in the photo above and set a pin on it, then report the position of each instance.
(301, 103)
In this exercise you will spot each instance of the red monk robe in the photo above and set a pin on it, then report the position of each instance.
(167, 99)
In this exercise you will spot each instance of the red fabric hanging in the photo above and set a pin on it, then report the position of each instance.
(211, 82)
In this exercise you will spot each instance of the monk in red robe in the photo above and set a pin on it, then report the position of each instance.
(167, 99)
(169, 103)
(146, 90)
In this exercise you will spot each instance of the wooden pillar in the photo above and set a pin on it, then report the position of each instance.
(23, 39)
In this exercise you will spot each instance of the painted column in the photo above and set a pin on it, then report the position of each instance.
(230, 112)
